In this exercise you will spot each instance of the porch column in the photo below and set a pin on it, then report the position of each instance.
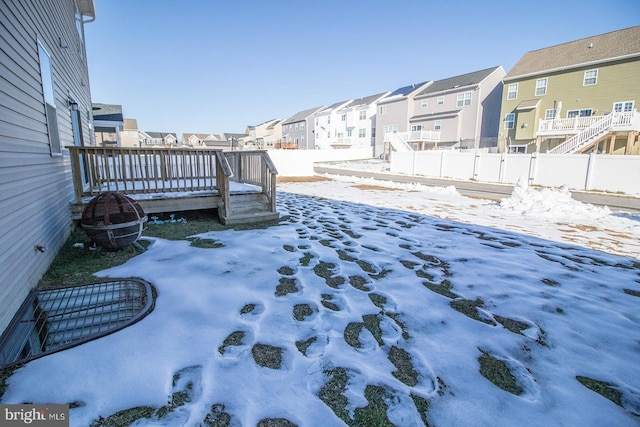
(612, 143)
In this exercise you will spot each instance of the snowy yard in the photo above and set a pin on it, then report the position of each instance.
(437, 307)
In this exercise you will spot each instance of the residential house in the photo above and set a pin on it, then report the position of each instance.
(129, 133)
(328, 133)
(298, 130)
(579, 96)
(157, 139)
(393, 115)
(233, 140)
(356, 124)
(204, 140)
(108, 122)
(46, 106)
(460, 112)
(266, 134)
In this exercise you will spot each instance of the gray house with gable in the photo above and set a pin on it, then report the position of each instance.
(298, 130)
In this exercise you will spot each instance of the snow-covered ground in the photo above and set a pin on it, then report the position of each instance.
(538, 283)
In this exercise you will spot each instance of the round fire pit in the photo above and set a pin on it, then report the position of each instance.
(113, 220)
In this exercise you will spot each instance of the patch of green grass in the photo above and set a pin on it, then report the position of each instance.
(303, 346)
(306, 259)
(326, 301)
(444, 288)
(402, 361)
(372, 323)
(365, 266)
(248, 308)
(235, 338)
(603, 388)
(217, 417)
(267, 356)
(332, 393)
(286, 271)
(422, 405)
(275, 422)
(375, 413)
(359, 283)
(287, 286)
(204, 243)
(378, 300)
(289, 248)
(324, 269)
(344, 256)
(302, 311)
(498, 373)
(470, 309)
(352, 334)
(514, 326)
(125, 417)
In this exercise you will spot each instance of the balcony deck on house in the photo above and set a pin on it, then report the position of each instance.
(241, 185)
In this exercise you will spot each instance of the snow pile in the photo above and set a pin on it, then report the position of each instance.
(549, 203)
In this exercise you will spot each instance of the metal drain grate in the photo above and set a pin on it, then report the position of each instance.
(56, 319)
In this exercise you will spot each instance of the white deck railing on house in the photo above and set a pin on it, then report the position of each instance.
(596, 130)
(577, 124)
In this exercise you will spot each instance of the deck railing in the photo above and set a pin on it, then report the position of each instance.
(256, 168)
(168, 170)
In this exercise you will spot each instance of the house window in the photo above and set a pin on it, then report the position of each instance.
(349, 133)
(517, 149)
(328, 134)
(362, 133)
(373, 132)
(579, 113)
(550, 114)
(343, 117)
(301, 125)
(437, 125)
(390, 129)
(541, 86)
(328, 120)
(440, 100)
(383, 109)
(464, 99)
(362, 115)
(316, 121)
(424, 103)
(512, 91)
(623, 107)
(509, 120)
(49, 101)
(416, 128)
(590, 78)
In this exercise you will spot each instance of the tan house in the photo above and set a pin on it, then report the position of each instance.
(157, 139)
(129, 134)
(576, 97)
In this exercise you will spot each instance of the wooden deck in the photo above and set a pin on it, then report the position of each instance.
(241, 185)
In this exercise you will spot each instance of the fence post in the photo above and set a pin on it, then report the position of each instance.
(442, 164)
(533, 168)
(476, 165)
(503, 166)
(590, 170)
(413, 164)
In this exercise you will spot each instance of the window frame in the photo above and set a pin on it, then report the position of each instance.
(594, 78)
(49, 99)
(512, 91)
(463, 99)
(541, 90)
(510, 118)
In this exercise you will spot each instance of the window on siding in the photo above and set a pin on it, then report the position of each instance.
(362, 133)
(464, 99)
(416, 128)
(509, 120)
(302, 126)
(590, 78)
(579, 113)
(623, 107)
(424, 103)
(440, 100)
(550, 114)
(362, 115)
(390, 128)
(541, 86)
(437, 125)
(512, 91)
(49, 101)
(343, 117)
(328, 120)
(383, 109)
(349, 133)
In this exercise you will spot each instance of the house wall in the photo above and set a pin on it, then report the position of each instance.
(617, 82)
(35, 186)
(395, 114)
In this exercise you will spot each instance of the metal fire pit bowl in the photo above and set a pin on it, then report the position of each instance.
(113, 220)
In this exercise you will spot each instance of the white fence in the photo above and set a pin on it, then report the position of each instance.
(597, 172)
(300, 162)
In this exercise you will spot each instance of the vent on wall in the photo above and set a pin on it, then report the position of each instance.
(56, 319)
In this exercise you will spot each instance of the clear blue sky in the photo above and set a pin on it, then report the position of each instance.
(214, 66)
